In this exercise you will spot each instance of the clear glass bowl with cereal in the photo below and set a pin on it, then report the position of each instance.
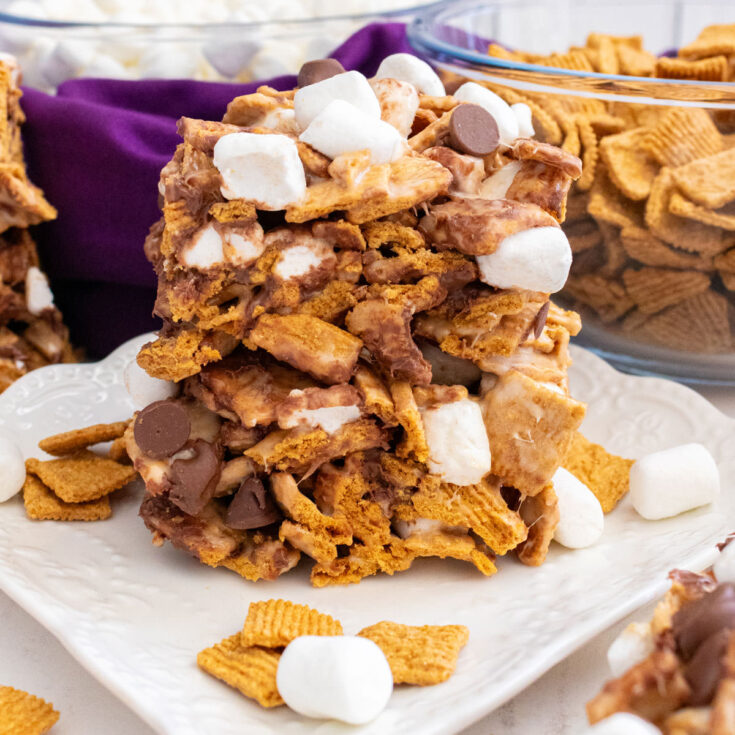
(643, 92)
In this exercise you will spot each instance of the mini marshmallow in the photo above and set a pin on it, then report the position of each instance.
(143, 388)
(459, 451)
(38, 293)
(419, 527)
(411, 69)
(169, 62)
(342, 677)
(205, 251)
(724, 567)
(497, 184)
(537, 259)
(103, 66)
(296, 261)
(12, 469)
(630, 648)
(623, 723)
(240, 250)
(230, 58)
(351, 87)
(329, 418)
(65, 60)
(524, 116)
(666, 483)
(263, 168)
(581, 520)
(398, 103)
(495, 105)
(342, 128)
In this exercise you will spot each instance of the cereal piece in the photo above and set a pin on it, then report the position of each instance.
(81, 477)
(653, 289)
(42, 505)
(588, 139)
(262, 557)
(639, 244)
(712, 41)
(612, 247)
(419, 654)
(682, 207)
(635, 62)
(583, 234)
(24, 714)
(709, 181)
(361, 562)
(605, 295)
(605, 474)
(682, 135)
(250, 670)
(407, 414)
(275, 623)
(629, 166)
(118, 451)
(607, 204)
(541, 514)
(71, 441)
(714, 69)
(451, 544)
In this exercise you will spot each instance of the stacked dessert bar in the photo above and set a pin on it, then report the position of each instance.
(32, 333)
(354, 279)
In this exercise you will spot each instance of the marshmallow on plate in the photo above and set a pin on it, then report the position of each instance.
(724, 567)
(630, 648)
(143, 388)
(38, 293)
(411, 69)
(342, 677)
(263, 168)
(12, 469)
(623, 723)
(581, 519)
(497, 184)
(505, 118)
(459, 451)
(672, 481)
(352, 87)
(524, 116)
(537, 259)
(343, 128)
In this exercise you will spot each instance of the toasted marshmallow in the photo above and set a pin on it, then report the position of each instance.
(352, 87)
(724, 567)
(398, 103)
(630, 648)
(524, 116)
(497, 184)
(459, 451)
(143, 388)
(411, 69)
(672, 481)
(205, 251)
(282, 119)
(341, 677)
(504, 117)
(12, 469)
(623, 723)
(537, 259)
(38, 292)
(265, 169)
(297, 261)
(581, 520)
(342, 128)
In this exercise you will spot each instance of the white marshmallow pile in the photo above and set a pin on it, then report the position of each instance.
(623, 723)
(144, 389)
(409, 68)
(581, 520)
(505, 118)
(634, 644)
(672, 481)
(724, 567)
(344, 678)
(12, 469)
(38, 292)
(459, 451)
(537, 259)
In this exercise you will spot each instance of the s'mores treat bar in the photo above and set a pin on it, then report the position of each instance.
(32, 332)
(355, 279)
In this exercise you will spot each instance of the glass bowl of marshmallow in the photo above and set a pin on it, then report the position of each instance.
(643, 93)
(210, 40)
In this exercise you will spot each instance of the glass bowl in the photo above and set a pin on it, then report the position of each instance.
(654, 265)
(230, 40)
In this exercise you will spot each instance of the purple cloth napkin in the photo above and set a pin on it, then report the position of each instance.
(96, 149)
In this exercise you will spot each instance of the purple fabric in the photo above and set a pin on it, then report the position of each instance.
(96, 149)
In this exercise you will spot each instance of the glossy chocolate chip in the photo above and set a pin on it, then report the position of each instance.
(704, 671)
(318, 70)
(473, 130)
(161, 429)
(252, 507)
(698, 620)
(194, 479)
(540, 321)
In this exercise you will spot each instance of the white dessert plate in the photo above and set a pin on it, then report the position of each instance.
(135, 615)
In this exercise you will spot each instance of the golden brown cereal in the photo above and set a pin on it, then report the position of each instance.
(118, 451)
(682, 135)
(42, 505)
(71, 441)
(712, 41)
(646, 248)
(630, 168)
(607, 204)
(682, 207)
(606, 296)
(714, 69)
(541, 514)
(709, 181)
(635, 62)
(24, 714)
(81, 477)
(588, 139)
(419, 654)
(653, 289)
(249, 669)
(275, 623)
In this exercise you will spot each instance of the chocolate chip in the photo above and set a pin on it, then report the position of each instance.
(252, 507)
(194, 479)
(161, 429)
(540, 321)
(473, 130)
(318, 70)
(698, 620)
(704, 671)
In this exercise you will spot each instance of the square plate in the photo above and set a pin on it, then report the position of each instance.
(136, 616)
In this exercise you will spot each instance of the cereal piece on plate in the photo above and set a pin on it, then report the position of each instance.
(42, 505)
(653, 289)
(262, 556)
(361, 561)
(605, 474)
(82, 476)
(682, 207)
(419, 654)
(541, 514)
(709, 181)
(629, 166)
(71, 441)
(682, 135)
(24, 714)
(118, 451)
(714, 69)
(275, 623)
(249, 669)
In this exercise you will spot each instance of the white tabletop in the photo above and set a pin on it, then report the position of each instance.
(33, 660)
